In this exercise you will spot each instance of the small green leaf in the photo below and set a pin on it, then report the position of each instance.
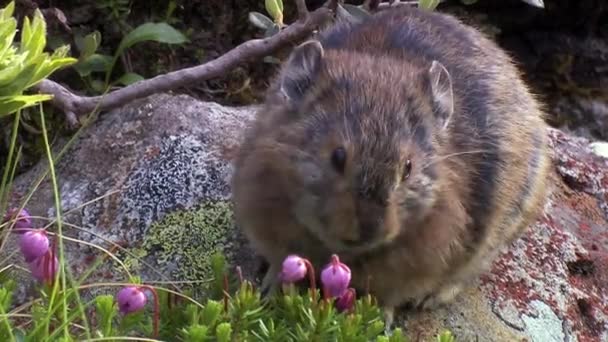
(159, 32)
(94, 63)
(7, 12)
(196, 333)
(211, 313)
(446, 336)
(428, 4)
(129, 78)
(11, 104)
(8, 29)
(275, 9)
(19, 82)
(88, 44)
(223, 332)
(260, 21)
(106, 311)
(10, 73)
(61, 52)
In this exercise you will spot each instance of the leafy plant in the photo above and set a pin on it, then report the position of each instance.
(23, 66)
(90, 62)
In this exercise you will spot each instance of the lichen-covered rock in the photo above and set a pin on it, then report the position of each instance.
(154, 178)
(552, 284)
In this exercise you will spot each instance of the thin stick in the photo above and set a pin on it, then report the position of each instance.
(74, 105)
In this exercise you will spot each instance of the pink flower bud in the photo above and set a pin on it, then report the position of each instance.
(294, 269)
(34, 244)
(335, 277)
(347, 301)
(23, 220)
(44, 268)
(131, 299)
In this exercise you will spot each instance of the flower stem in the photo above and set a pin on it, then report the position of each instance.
(156, 319)
(311, 276)
(225, 293)
(239, 272)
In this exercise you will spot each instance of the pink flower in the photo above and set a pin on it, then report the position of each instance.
(335, 277)
(346, 301)
(34, 244)
(23, 220)
(44, 268)
(131, 299)
(294, 269)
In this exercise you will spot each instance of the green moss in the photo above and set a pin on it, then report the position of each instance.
(187, 239)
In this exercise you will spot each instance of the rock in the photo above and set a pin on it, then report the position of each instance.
(552, 284)
(154, 177)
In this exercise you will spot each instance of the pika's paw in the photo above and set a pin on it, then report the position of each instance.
(443, 296)
(270, 283)
(389, 318)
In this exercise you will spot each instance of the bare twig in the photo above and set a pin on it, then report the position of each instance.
(302, 10)
(74, 105)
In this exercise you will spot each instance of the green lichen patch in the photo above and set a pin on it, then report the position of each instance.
(183, 242)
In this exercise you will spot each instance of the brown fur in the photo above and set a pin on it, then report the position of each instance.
(477, 176)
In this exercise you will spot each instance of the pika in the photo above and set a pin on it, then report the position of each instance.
(406, 143)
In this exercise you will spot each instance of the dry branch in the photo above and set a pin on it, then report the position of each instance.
(74, 105)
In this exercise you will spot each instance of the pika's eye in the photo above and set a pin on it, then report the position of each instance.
(407, 168)
(338, 159)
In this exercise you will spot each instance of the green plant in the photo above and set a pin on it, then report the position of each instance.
(234, 311)
(23, 66)
(90, 62)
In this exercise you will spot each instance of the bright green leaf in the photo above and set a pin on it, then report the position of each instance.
(223, 332)
(61, 52)
(428, 4)
(8, 29)
(8, 74)
(11, 104)
(7, 12)
(48, 67)
(18, 83)
(275, 10)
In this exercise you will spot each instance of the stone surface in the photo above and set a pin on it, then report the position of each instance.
(552, 284)
(154, 178)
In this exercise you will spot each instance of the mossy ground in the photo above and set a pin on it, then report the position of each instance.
(188, 239)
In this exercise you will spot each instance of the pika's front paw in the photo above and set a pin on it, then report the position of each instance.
(443, 296)
(389, 318)
(270, 283)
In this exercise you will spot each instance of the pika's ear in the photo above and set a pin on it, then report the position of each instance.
(299, 70)
(442, 93)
